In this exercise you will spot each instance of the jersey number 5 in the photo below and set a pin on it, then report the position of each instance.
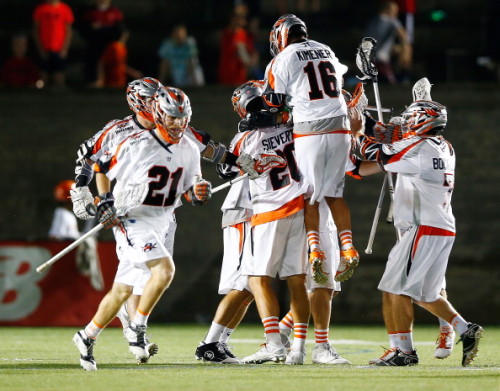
(326, 72)
(162, 176)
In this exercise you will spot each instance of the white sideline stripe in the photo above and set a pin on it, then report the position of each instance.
(335, 342)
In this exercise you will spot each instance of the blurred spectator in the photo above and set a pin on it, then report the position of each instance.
(238, 56)
(393, 53)
(113, 69)
(297, 6)
(98, 24)
(19, 70)
(64, 223)
(179, 64)
(65, 227)
(52, 32)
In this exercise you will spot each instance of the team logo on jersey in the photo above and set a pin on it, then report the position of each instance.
(148, 247)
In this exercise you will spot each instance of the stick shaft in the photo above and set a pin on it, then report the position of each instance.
(229, 183)
(376, 217)
(66, 250)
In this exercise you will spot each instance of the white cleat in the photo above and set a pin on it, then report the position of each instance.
(266, 353)
(326, 354)
(388, 353)
(296, 357)
(444, 345)
(136, 337)
(86, 348)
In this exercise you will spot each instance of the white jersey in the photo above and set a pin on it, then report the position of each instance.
(426, 173)
(170, 170)
(198, 137)
(279, 192)
(112, 134)
(64, 225)
(310, 74)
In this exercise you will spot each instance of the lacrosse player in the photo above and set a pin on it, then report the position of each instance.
(310, 75)
(416, 267)
(170, 164)
(278, 235)
(139, 95)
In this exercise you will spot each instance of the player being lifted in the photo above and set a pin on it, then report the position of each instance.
(170, 164)
(415, 271)
(310, 76)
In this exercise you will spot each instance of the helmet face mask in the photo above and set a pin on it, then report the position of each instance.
(279, 36)
(171, 113)
(425, 117)
(140, 95)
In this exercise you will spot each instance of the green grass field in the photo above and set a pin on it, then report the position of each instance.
(45, 359)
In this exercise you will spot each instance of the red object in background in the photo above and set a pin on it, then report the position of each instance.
(407, 6)
(60, 296)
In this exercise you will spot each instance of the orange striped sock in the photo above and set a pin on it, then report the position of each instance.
(272, 329)
(313, 240)
(93, 329)
(345, 239)
(140, 318)
(286, 324)
(299, 335)
(321, 336)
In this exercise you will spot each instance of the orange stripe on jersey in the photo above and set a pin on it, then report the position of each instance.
(98, 144)
(241, 231)
(196, 134)
(270, 76)
(340, 131)
(397, 157)
(425, 230)
(237, 147)
(288, 209)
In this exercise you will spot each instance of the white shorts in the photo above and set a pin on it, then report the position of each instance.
(322, 161)
(139, 245)
(237, 247)
(330, 245)
(279, 248)
(417, 264)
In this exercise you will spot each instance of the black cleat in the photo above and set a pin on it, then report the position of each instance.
(470, 341)
(214, 352)
(400, 359)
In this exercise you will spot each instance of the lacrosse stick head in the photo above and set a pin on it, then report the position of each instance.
(269, 160)
(140, 94)
(358, 98)
(286, 26)
(130, 197)
(425, 117)
(422, 90)
(364, 59)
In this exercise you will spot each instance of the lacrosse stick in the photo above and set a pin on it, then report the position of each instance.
(131, 197)
(229, 183)
(364, 63)
(263, 165)
(376, 217)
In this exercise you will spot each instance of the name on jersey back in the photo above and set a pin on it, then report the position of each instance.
(313, 54)
(274, 142)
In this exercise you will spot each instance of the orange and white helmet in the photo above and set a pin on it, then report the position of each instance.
(171, 113)
(425, 116)
(246, 93)
(140, 93)
(278, 39)
(61, 191)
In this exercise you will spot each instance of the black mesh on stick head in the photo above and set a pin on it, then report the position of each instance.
(364, 59)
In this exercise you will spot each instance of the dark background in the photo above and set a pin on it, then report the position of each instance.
(40, 132)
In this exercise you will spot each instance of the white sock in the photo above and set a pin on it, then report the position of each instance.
(214, 333)
(226, 333)
(459, 324)
(405, 343)
(393, 340)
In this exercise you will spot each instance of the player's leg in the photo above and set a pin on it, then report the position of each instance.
(85, 339)
(230, 311)
(390, 326)
(470, 333)
(446, 338)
